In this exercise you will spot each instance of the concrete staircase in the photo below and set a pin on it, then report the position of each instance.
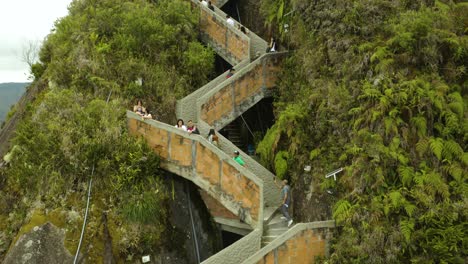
(234, 135)
(249, 192)
(273, 226)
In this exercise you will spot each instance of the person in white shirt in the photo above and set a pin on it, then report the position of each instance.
(180, 125)
(230, 21)
(205, 3)
(272, 46)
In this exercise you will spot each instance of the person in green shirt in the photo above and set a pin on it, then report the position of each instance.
(238, 158)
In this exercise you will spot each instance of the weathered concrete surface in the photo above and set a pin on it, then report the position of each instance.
(219, 3)
(185, 108)
(228, 41)
(233, 226)
(216, 208)
(223, 217)
(43, 244)
(227, 101)
(300, 244)
(194, 158)
(218, 34)
(239, 251)
(271, 193)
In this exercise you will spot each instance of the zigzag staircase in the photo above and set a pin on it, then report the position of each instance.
(249, 193)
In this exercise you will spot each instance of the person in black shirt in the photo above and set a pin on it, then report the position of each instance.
(210, 6)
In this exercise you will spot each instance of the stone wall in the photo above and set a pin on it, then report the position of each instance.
(43, 244)
(303, 243)
(194, 158)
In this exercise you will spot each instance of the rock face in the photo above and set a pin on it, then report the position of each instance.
(43, 244)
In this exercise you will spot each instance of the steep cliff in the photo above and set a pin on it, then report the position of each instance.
(378, 88)
(94, 65)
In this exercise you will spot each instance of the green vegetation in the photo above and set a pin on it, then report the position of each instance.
(109, 45)
(380, 88)
(102, 48)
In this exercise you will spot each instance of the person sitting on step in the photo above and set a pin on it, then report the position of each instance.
(230, 21)
(210, 6)
(238, 158)
(147, 115)
(141, 111)
(230, 73)
(213, 138)
(242, 29)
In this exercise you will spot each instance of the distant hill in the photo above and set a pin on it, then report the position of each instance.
(10, 93)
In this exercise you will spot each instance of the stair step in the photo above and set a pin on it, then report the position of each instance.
(277, 223)
(269, 213)
(275, 231)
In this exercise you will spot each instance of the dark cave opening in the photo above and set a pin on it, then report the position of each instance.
(229, 238)
(248, 130)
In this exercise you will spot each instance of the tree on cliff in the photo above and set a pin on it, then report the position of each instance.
(380, 88)
(98, 51)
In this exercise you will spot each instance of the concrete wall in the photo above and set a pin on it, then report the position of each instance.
(194, 158)
(229, 42)
(186, 107)
(223, 104)
(239, 251)
(300, 244)
(219, 3)
(216, 208)
(271, 194)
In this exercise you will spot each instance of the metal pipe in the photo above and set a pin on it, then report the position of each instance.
(191, 221)
(247, 125)
(85, 218)
(238, 14)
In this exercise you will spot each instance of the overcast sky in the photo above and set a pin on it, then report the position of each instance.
(21, 22)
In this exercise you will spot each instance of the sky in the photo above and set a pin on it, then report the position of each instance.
(23, 22)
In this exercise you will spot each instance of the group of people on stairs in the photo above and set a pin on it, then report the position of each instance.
(207, 4)
(191, 128)
(142, 111)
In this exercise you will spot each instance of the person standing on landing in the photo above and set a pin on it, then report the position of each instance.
(285, 200)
